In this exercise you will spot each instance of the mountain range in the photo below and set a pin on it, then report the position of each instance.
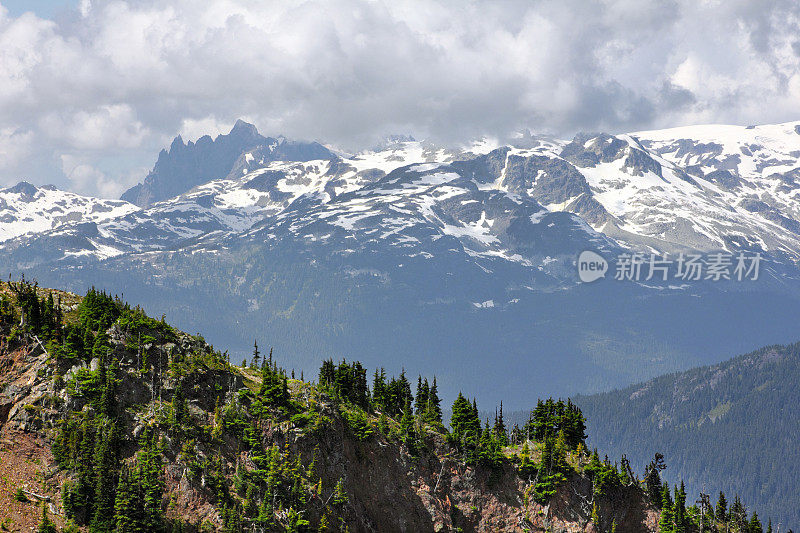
(460, 261)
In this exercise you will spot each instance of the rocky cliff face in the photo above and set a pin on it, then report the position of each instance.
(351, 479)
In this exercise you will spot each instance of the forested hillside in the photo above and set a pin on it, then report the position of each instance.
(114, 421)
(733, 426)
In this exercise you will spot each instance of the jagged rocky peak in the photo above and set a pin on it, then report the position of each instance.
(187, 165)
(590, 150)
(244, 129)
(26, 191)
(23, 188)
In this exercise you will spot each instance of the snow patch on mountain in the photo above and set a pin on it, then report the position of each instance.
(25, 208)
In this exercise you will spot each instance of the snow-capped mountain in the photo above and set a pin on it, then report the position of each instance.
(755, 170)
(410, 245)
(650, 201)
(27, 209)
(186, 165)
(664, 191)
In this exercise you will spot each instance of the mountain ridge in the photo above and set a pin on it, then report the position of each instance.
(601, 178)
(137, 424)
(744, 402)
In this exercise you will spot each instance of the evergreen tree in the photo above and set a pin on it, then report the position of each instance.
(400, 394)
(127, 505)
(73, 349)
(551, 417)
(344, 383)
(546, 461)
(680, 509)
(527, 467)
(109, 389)
(433, 409)
(500, 427)
(652, 478)
(88, 343)
(722, 508)
(274, 388)
(348, 383)
(665, 524)
(46, 525)
(421, 401)
(572, 423)
(254, 361)
(464, 423)
(539, 420)
(379, 389)
(82, 499)
(106, 460)
(559, 455)
(738, 513)
(152, 484)
(490, 453)
(408, 431)
(755, 524)
(100, 348)
(360, 394)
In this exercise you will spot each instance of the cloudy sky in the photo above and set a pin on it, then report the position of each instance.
(91, 90)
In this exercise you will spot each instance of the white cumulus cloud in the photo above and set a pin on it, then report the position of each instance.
(113, 82)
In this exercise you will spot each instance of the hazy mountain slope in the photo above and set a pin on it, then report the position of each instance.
(441, 315)
(745, 406)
